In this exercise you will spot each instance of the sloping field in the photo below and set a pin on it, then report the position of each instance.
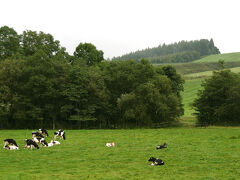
(228, 57)
(191, 153)
(206, 74)
(191, 88)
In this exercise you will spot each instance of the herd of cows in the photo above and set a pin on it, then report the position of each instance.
(37, 138)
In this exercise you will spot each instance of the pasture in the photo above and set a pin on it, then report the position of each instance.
(228, 57)
(192, 153)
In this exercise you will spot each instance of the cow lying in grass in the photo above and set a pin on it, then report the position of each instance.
(161, 146)
(110, 144)
(156, 161)
(60, 133)
(43, 131)
(53, 143)
(10, 144)
(40, 140)
(29, 143)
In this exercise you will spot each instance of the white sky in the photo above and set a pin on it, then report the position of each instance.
(121, 26)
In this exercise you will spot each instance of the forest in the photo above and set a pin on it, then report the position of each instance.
(41, 85)
(183, 51)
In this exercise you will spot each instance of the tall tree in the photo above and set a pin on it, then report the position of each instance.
(212, 100)
(33, 41)
(89, 53)
(9, 42)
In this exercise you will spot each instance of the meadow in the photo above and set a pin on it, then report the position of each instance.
(192, 153)
(191, 88)
(228, 57)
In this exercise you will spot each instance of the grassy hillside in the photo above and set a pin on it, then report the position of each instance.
(194, 73)
(191, 88)
(206, 74)
(228, 57)
(192, 153)
(208, 63)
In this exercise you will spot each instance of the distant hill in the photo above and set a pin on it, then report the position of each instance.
(208, 63)
(183, 51)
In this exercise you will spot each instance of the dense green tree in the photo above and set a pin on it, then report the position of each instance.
(129, 82)
(9, 42)
(213, 100)
(89, 53)
(151, 104)
(32, 41)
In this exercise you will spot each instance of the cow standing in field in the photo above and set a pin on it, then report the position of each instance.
(29, 143)
(39, 140)
(60, 133)
(43, 131)
(37, 134)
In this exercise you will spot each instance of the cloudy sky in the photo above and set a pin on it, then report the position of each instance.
(121, 26)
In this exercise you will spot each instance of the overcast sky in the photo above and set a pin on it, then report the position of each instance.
(120, 26)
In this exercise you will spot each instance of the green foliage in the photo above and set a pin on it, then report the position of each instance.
(180, 57)
(178, 52)
(145, 96)
(42, 85)
(89, 53)
(215, 99)
(33, 41)
(9, 42)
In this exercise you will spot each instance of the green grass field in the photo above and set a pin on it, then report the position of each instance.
(191, 88)
(208, 73)
(192, 153)
(228, 57)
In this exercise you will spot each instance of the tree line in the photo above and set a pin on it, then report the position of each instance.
(183, 51)
(41, 85)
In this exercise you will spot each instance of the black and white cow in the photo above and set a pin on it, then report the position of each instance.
(10, 144)
(37, 134)
(53, 143)
(156, 161)
(60, 133)
(43, 131)
(12, 147)
(161, 146)
(40, 140)
(29, 143)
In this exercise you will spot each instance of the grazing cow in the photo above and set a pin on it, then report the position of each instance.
(110, 144)
(43, 131)
(156, 161)
(40, 141)
(37, 134)
(29, 143)
(9, 142)
(161, 146)
(53, 143)
(60, 133)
